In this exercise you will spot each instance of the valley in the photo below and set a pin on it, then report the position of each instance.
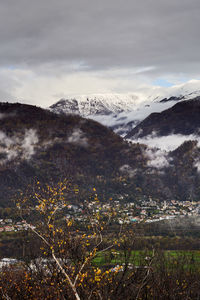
(94, 193)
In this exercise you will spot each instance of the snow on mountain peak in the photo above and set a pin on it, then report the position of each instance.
(103, 104)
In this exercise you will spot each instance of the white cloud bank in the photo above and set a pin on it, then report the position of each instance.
(166, 143)
(197, 165)
(157, 158)
(157, 153)
(43, 87)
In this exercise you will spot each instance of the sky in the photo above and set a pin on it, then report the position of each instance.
(52, 49)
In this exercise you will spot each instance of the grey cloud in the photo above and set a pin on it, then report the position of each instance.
(128, 170)
(15, 146)
(97, 35)
(29, 143)
(78, 138)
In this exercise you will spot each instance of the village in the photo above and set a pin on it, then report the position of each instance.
(8, 225)
(146, 211)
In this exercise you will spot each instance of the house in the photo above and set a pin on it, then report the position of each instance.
(8, 220)
(9, 228)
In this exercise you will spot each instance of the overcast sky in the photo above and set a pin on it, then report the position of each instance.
(51, 49)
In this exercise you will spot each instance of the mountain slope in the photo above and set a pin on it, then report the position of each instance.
(39, 145)
(183, 118)
(36, 144)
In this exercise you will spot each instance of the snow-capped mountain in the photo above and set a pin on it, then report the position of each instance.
(98, 104)
(122, 112)
(109, 109)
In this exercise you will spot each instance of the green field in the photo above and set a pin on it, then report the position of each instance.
(171, 258)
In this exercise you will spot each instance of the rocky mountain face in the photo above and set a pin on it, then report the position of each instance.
(99, 104)
(36, 144)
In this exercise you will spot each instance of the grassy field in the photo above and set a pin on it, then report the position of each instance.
(141, 258)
